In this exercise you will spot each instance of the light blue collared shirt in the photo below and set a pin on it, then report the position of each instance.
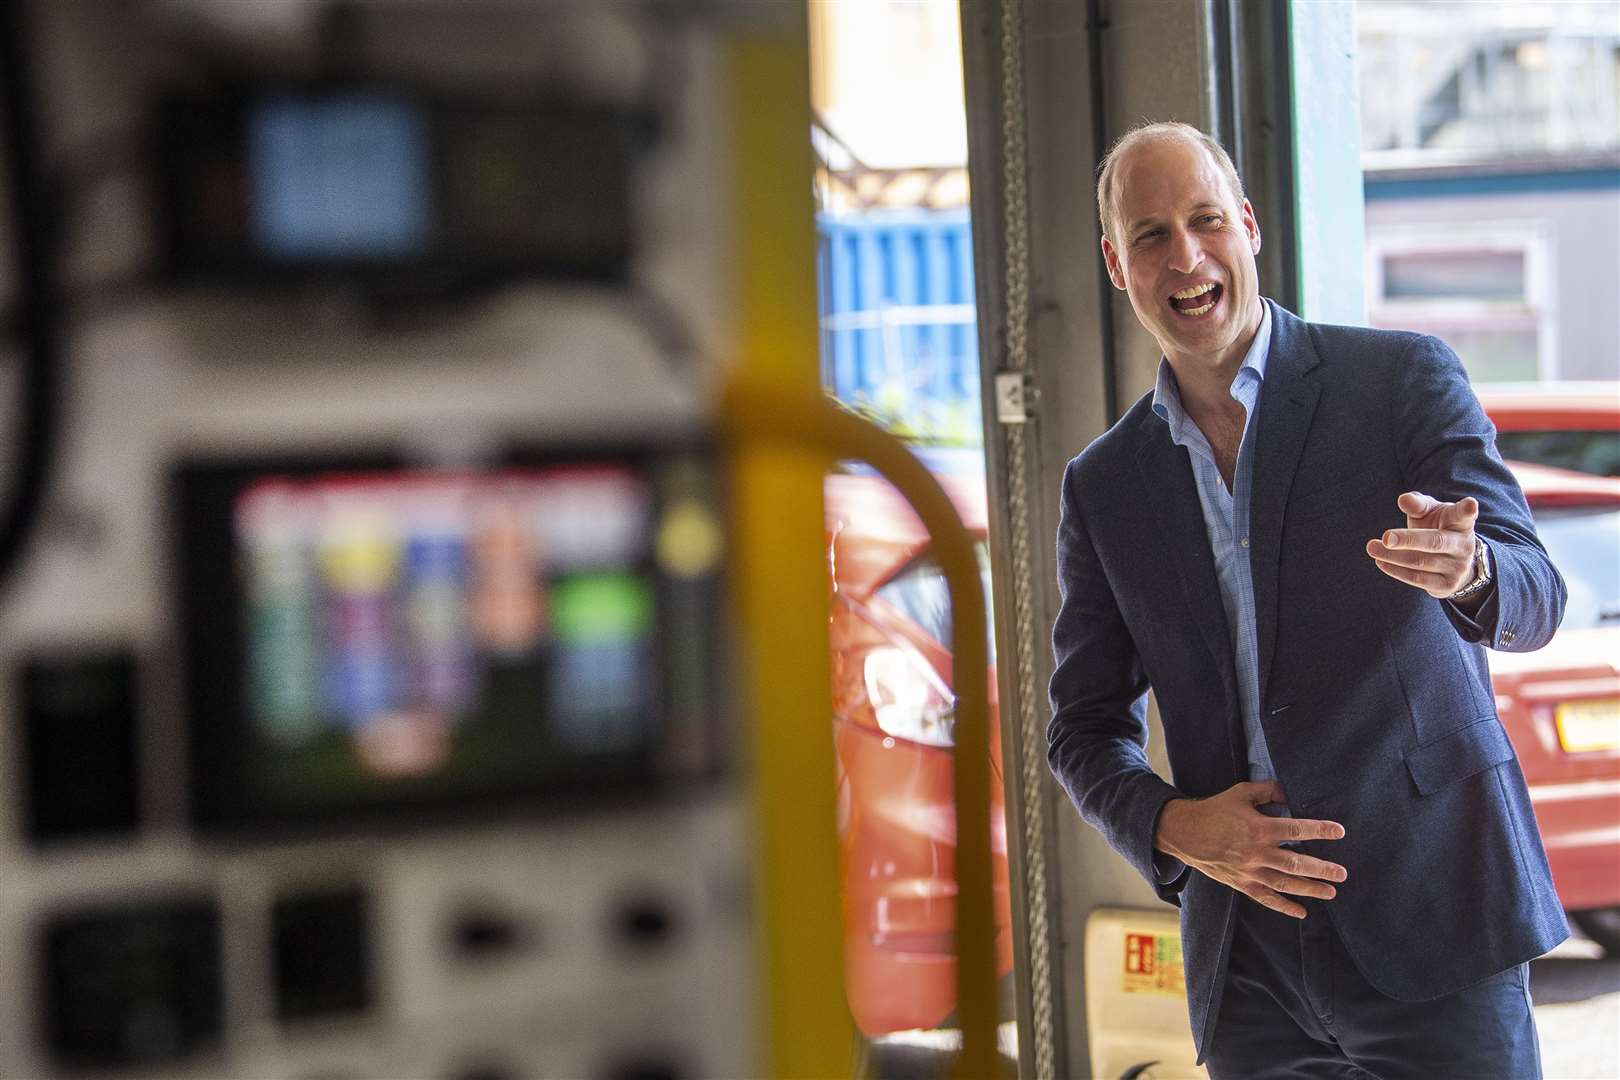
(1226, 520)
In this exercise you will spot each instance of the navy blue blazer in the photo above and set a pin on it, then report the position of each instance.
(1375, 698)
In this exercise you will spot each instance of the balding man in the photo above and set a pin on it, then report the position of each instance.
(1302, 540)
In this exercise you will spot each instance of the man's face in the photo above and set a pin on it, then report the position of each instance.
(1185, 252)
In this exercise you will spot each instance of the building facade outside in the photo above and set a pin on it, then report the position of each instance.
(1491, 149)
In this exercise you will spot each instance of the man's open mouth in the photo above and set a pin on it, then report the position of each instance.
(1196, 300)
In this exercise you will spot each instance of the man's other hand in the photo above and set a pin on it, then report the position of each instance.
(1224, 837)
(1435, 552)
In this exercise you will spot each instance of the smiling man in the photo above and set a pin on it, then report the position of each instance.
(1302, 540)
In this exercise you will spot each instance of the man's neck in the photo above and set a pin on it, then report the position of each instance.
(1205, 380)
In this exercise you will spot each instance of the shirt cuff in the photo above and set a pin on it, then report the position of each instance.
(1167, 868)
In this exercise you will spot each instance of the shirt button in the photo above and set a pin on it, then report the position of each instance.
(1244, 542)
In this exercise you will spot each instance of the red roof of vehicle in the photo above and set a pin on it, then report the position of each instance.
(1583, 406)
(1546, 486)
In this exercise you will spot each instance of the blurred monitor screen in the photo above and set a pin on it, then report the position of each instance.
(343, 177)
(370, 638)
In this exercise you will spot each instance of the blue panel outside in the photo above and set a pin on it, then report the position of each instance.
(935, 337)
(904, 279)
(905, 290)
(869, 294)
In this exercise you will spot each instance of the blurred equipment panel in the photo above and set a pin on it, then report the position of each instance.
(364, 695)
(267, 183)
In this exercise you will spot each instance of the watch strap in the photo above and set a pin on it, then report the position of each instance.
(1482, 572)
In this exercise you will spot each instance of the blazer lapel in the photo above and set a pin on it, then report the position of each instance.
(1167, 480)
(1287, 403)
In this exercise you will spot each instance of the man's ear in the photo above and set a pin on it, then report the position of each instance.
(1251, 226)
(1111, 260)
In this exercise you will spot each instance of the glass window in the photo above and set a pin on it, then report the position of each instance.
(899, 344)
(1480, 275)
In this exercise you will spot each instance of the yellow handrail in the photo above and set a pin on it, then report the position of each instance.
(792, 760)
(785, 434)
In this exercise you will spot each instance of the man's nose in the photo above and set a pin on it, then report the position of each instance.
(1185, 252)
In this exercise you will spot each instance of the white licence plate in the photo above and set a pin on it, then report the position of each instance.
(1589, 725)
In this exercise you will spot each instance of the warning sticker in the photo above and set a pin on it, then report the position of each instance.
(1153, 965)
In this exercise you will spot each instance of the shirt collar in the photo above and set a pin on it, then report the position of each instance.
(1167, 392)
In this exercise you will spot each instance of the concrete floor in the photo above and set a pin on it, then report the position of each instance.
(1576, 991)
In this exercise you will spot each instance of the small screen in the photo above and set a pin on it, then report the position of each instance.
(344, 177)
(387, 637)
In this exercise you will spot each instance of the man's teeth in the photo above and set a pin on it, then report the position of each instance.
(1180, 298)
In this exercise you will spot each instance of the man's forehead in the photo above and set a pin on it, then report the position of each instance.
(1177, 172)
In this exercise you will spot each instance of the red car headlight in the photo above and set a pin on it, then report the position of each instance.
(908, 698)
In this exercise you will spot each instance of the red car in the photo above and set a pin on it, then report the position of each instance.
(1565, 425)
(893, 709)
(1561, 703)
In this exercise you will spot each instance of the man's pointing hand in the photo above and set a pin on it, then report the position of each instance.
(1435, 552)
(1226, 838)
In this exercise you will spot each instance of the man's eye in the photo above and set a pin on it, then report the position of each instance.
(1210, 218)
(1152, 234)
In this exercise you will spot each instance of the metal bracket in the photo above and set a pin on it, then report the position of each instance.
(1015, 397)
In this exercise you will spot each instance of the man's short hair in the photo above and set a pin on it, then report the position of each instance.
(1157, 132)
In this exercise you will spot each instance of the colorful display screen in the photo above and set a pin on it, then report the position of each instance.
(426, 637)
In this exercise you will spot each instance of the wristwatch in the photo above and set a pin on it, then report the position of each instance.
(1482, 572)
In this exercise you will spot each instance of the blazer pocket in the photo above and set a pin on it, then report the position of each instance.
(1466, 751)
